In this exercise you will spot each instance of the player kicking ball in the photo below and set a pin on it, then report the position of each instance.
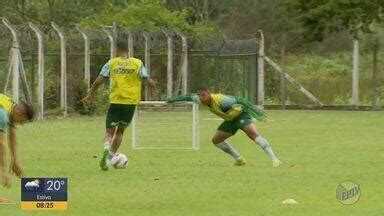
(11, 114)
(126, 75)
(237, 114)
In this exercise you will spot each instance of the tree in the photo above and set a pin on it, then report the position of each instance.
(146, 15)
(321, 16)
(42, 12)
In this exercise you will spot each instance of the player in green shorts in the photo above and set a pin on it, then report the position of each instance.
(126, 75)
(11, 113)
(237, 114)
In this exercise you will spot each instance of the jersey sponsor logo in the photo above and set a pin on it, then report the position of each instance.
(120, 70)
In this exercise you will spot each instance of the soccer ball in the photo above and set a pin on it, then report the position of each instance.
(119, 161)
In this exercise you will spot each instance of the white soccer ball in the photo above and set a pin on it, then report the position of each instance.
(119, 161)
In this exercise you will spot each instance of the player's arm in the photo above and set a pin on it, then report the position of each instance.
(148, 81)
(5, 178)
(91, 94)
(233, 112)
(4, 120)
(12, 142)
(182, 98)
(104, 74)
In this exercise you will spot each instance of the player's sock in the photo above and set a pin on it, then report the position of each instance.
(264, 144)
(227, 148)
(107, 145)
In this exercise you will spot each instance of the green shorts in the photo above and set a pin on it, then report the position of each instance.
(119, 114)
(238, 123)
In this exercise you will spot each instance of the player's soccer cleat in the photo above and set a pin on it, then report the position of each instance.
(104, 160)
(240, 162)
(276, 163)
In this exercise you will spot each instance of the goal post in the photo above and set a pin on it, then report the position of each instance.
(160, 125)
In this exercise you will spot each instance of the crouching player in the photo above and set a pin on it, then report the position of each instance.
(237, 114)
(11, 114)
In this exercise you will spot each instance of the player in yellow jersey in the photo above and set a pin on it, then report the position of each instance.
(126, 75)
(11, 114)
(237, 114)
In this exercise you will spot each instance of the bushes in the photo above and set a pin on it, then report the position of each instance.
(79, 106)
(328, 77)
(52, 91)
(76, 91)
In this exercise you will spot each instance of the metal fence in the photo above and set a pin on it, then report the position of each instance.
(60, 64)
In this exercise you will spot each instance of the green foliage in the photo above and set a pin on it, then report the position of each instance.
(144, 15)
(64, 12)
(79, 106)
(52, 91)
(380, 96)
(328, 78)
(320, 16)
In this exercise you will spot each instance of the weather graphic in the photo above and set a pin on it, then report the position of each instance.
(32, 185)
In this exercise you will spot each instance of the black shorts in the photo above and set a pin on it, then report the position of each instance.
(119, 114)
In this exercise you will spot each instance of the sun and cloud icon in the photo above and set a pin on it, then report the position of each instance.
(35, 184)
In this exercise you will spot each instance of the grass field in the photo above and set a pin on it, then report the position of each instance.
(319, 150)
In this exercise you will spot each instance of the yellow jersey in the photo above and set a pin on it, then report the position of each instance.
(223, 106)
(6, 103)
(125, 80)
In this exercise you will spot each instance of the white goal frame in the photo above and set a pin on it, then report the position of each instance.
(195, 145)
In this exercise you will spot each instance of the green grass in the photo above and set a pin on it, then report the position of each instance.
(319, 150)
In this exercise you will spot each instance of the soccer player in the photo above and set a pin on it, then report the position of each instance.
(125, 75)
(11, 114)
(237, 114)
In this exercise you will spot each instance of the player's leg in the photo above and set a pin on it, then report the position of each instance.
(106, 152)
(225, 131)
(125, 116)
(250, 130)
(109, 132)
(112, 120)
(117, 139)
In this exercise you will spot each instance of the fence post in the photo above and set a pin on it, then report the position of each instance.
(252, 82)
(169, 63)
(260, 71)
(63, 59)
(114, 33)
(184, 66)
(374, 72)
(40, 68)
(130, 43)
(14, 63)
(16, 67)
(282, 75)
(355, 73)
(87, 58)
(217, 71)
(112, 43)
(147, 60)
